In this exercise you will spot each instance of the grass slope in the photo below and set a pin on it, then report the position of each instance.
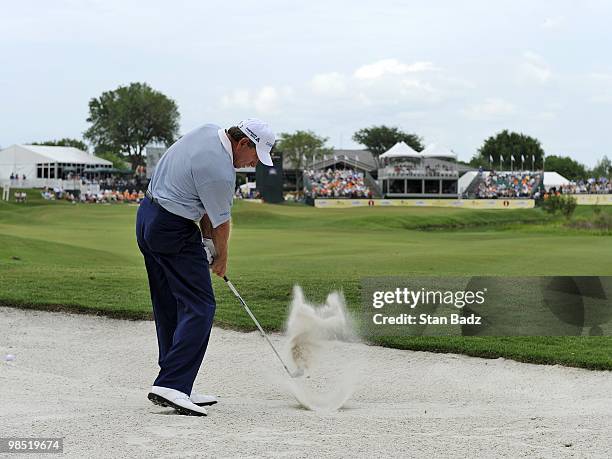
(84, 258)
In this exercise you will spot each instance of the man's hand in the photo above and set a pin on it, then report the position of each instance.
(220, 236)
(219, 266)
(209, 248)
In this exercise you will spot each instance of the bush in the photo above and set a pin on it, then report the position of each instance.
(560, 204)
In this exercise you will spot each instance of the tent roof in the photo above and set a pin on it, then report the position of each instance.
(437, 151)
(400, 150)
(65, 155)
(554, 179)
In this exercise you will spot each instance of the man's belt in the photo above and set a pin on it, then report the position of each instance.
(151, 198)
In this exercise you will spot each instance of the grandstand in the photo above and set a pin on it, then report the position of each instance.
(338, 183)
(503, 184)
(404, 172)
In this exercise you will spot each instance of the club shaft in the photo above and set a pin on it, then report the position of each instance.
(261, 330)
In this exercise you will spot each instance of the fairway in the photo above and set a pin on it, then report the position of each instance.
(84, 257)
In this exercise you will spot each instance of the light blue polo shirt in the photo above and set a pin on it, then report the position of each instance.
(196, 177)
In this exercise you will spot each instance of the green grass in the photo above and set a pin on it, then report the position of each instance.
(84, 258)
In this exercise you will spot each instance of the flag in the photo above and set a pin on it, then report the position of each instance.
(501, 157)
(490, 158)
(511, 158)
(522, 158)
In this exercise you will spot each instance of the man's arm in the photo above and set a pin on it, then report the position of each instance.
(206, 227)
(220, 237)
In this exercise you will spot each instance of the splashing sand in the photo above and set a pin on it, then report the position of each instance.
(316, 344)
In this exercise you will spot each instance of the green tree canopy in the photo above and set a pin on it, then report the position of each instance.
(115, 158)
(603, 168)
(379, 139)
(506, 144)
(130, 117)
(65, 142)
(300, 147)
(566, 166)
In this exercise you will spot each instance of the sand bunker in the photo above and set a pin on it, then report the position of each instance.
(317, 337)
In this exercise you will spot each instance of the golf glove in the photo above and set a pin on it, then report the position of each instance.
(209, 248)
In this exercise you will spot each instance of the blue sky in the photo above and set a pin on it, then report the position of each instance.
(452, 72)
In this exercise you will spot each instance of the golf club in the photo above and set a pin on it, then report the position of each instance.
(295, 374)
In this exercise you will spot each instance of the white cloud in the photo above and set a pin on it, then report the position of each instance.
(239, 98)
(553, 22)
(332, 83)
(534, 68)
(390, 67)
(491, 108)
(266, 100)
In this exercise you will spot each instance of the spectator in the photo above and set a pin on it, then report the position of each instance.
(342, 183)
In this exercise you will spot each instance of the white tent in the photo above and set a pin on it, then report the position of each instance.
(400, 150)
(554, 179)
(436, 151)
(41, 163)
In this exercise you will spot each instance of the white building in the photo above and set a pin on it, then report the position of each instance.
(46, 165)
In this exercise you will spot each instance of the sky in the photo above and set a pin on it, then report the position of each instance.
(454, 73)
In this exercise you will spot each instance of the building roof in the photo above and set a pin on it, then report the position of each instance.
(65, 154)
(358, 159)
(362, 159)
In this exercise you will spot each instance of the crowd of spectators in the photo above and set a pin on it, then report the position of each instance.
(341, 183)
(601, 185)
(508, 185)
(401, 169)
(102, 197)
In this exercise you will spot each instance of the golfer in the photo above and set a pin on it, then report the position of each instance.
(193, 183)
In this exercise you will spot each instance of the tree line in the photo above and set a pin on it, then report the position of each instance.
(125, 120)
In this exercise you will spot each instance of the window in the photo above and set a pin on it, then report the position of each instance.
(397, 186)
(432, 186)
(449, 186)
(414, 187)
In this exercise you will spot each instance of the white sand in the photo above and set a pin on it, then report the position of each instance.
(317, 344)
(86, 379)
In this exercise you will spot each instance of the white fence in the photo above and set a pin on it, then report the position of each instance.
(66, 185)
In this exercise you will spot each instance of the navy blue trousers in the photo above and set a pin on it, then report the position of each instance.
(181, 292)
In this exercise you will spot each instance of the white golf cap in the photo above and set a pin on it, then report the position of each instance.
(263, 137)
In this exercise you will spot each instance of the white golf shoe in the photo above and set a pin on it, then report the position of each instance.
(203, 400)
(164, 396)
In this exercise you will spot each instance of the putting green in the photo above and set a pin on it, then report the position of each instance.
(84, 257)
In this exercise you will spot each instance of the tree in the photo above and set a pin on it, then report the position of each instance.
(603, 168)
(507, 144)
(478, 161)
(379, 139)
(566, 166)
(299, 147)
(115, 158)
(65, 142)
(129, 118)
